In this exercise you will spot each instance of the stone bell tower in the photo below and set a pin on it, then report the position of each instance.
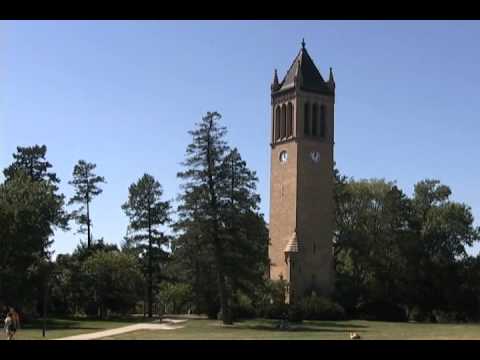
(301, 190)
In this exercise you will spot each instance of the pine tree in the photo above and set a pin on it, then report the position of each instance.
(203, 189)
(86, 188)
(218, 216)
(30, 164)
(246, 233)
(147, 213)
(32, 160)
(192, 255)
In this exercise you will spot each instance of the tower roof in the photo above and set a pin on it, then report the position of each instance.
(304, 70)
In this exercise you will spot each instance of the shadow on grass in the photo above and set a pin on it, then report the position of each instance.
(185, 317)
(79, 323)
(318, 323)
(337, 324)
(273, 325)
(293, 328)
(60, 326)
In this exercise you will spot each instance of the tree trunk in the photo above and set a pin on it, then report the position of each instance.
(222, 286)
(88, 223)
(44, 310)
(224, 301)
(221, 280)
(150, 270)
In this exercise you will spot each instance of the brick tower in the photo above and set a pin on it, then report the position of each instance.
(301, 189)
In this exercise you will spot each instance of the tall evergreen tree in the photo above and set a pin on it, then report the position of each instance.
(32, 160)
(192, 255)
(218, 216)
(85, 182)
(203, 189)
(32, 191)
(147, 213)
(245, 230)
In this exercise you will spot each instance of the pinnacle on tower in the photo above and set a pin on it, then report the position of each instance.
(275, 85)
(331, 81)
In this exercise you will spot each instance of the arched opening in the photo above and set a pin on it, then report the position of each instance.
(289, 120)
(306, 123)
(314, 119)
(283, 122)
(277, 123)
(323, 122)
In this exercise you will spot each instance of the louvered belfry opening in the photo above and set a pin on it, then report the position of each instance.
(277, 124)
(323, 122)
(289, 120)
(306, 121)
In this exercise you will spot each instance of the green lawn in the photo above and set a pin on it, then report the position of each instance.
(202, 329)
(309, 330)
(57, 328)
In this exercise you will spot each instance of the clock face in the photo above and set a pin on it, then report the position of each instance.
(315, 156)
(283, 156)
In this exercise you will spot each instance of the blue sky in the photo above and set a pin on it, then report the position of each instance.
(123, 94)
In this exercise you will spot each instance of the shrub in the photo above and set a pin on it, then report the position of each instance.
(275, 311)
(382, 311)
(91, 309)
(442, 316)
(295, 313)
(243, 308)
(320, 308)
(419, 315)
(270, 302)
(213, 310)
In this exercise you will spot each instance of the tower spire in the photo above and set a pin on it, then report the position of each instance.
(303, 43)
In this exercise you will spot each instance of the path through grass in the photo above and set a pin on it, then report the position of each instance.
(57, 328)
(202, 329)
(309, 330)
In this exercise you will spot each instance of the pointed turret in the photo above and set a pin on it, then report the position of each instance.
(331, 81)
(275, 85)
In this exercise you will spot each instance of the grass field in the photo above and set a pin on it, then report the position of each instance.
(309, 330)
(202, 329)
(57, 328)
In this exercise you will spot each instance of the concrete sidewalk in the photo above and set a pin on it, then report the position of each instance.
(165, 324)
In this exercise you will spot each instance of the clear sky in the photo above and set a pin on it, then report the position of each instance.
(123, 94)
